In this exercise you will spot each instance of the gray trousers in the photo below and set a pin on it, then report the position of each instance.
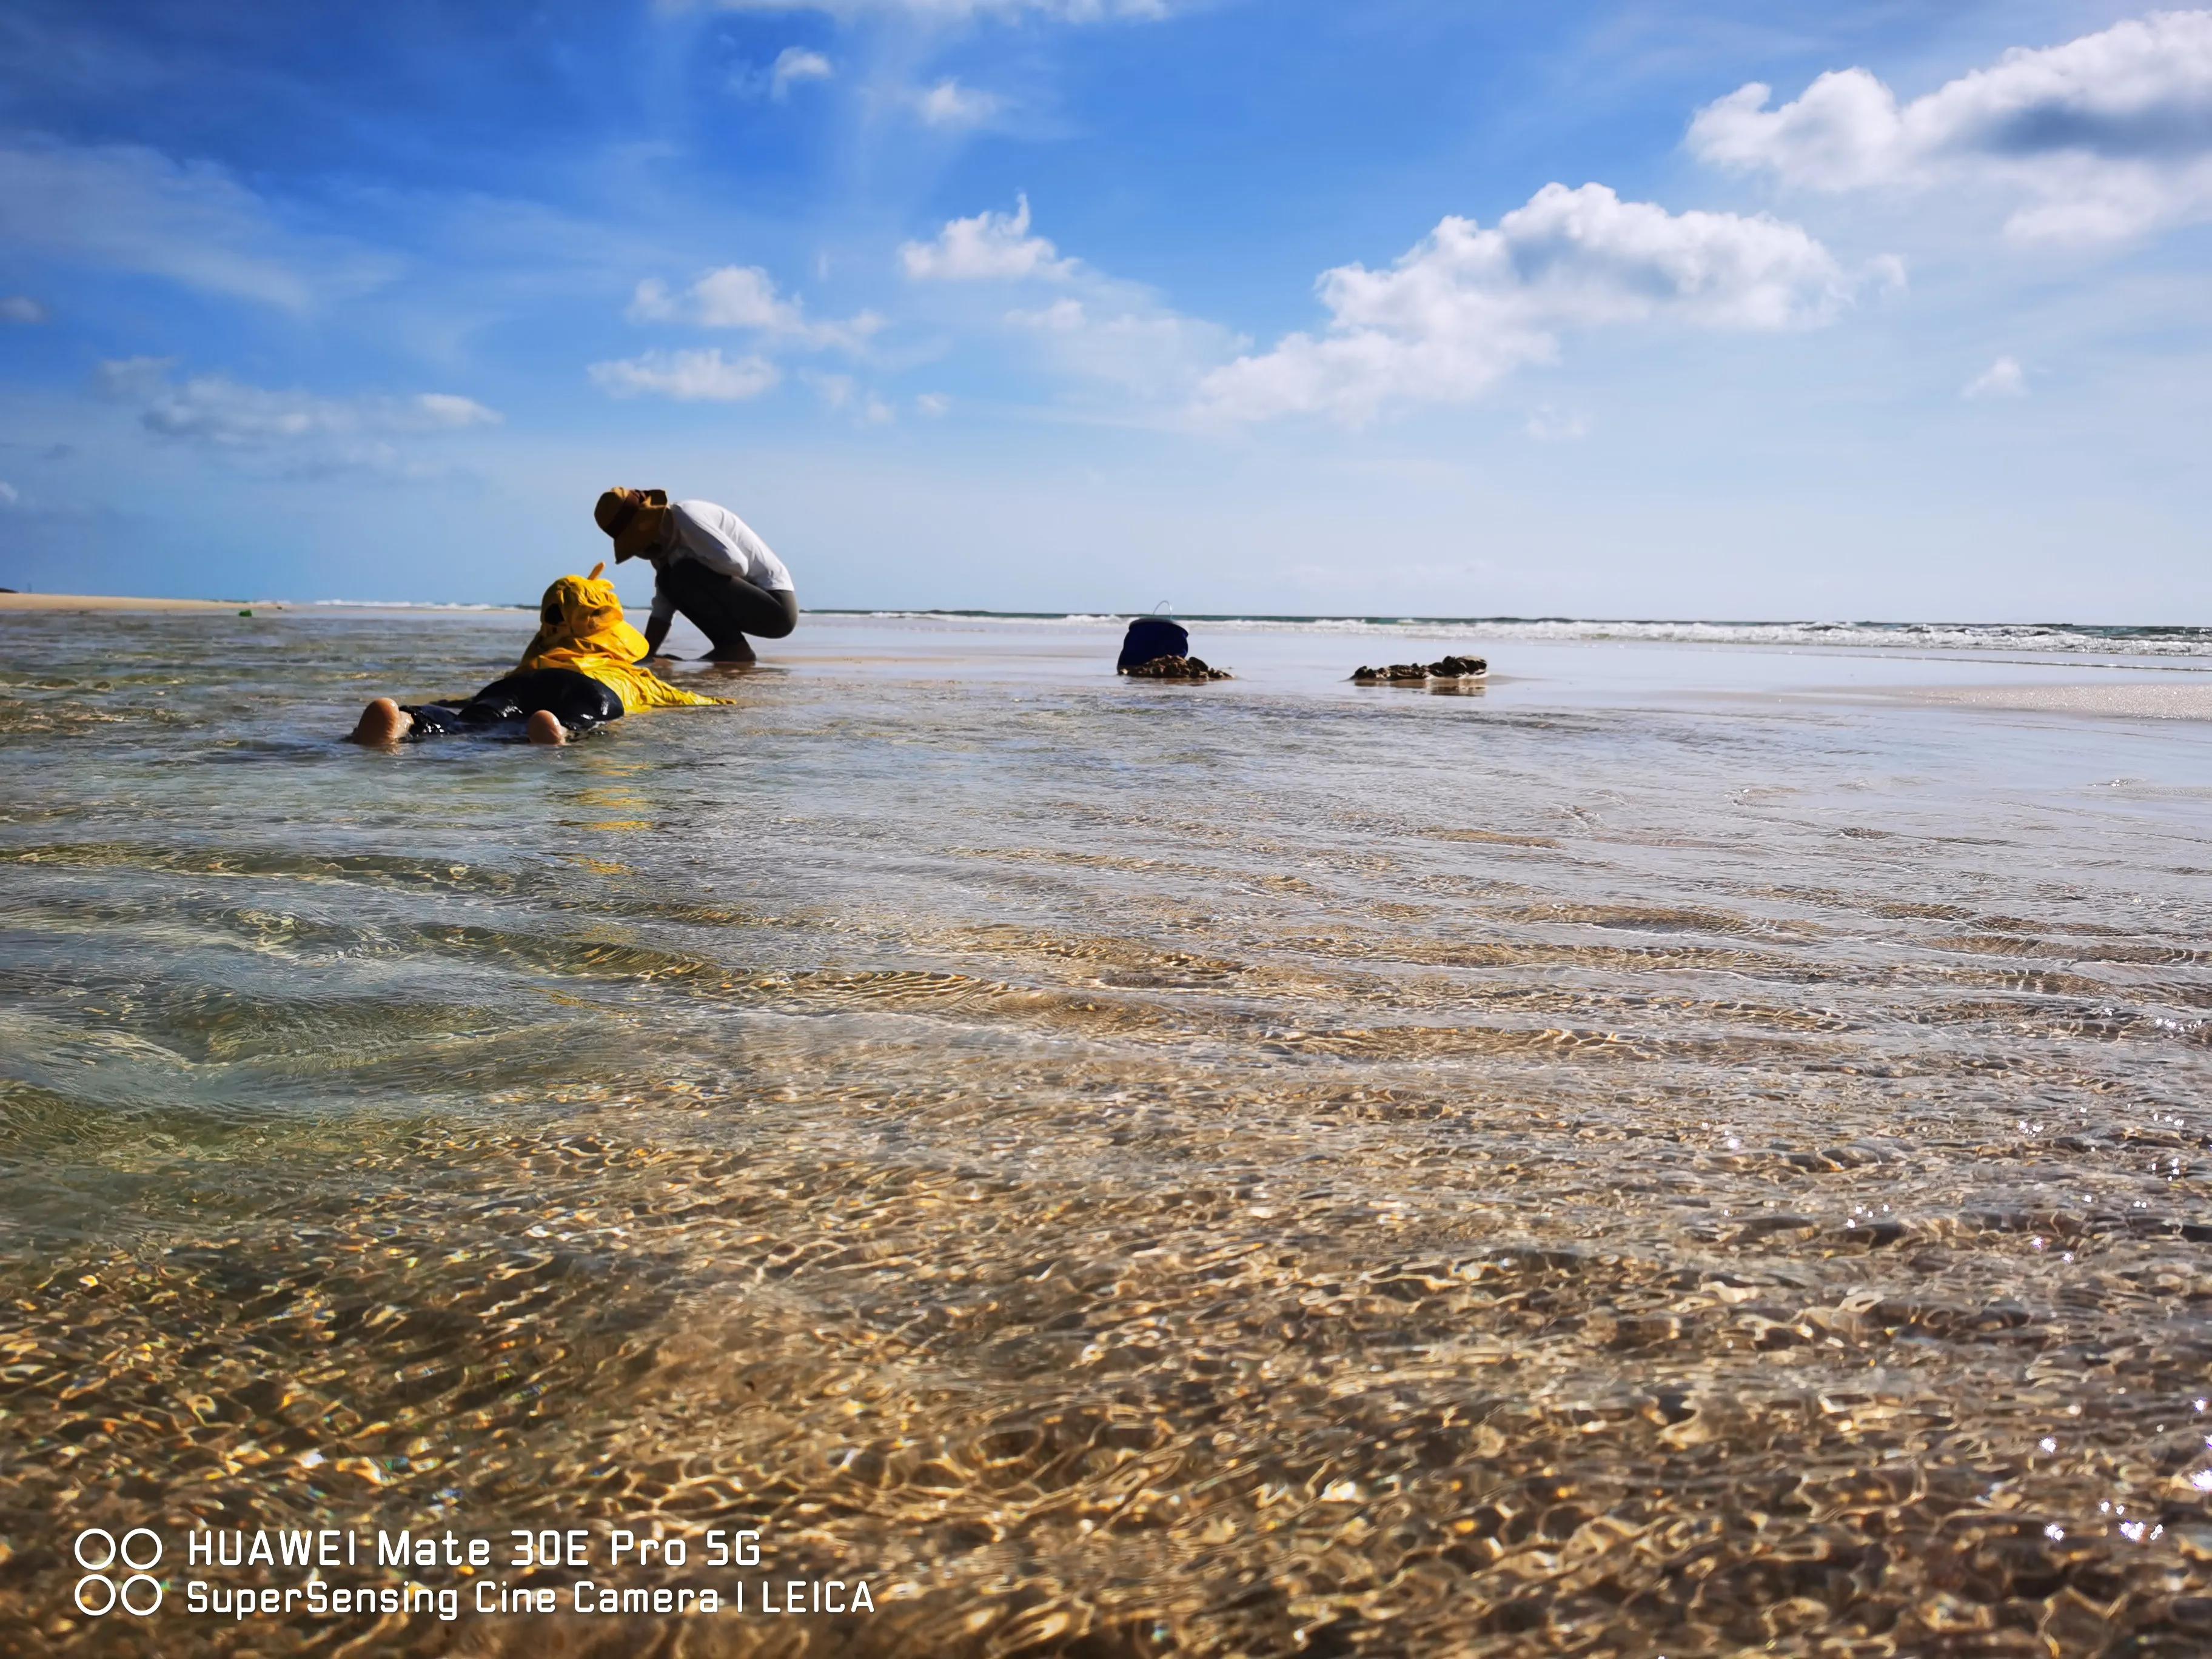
(726, 608)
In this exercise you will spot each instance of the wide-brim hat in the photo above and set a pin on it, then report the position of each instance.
(620, 513)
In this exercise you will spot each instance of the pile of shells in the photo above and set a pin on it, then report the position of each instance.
(1444, 668)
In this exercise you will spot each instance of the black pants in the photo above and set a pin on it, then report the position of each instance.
(727, 608)
(504, 708)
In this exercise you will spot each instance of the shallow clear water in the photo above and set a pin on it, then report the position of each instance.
(1662, 1155)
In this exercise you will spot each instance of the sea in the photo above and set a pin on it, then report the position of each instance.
(1695, 1144)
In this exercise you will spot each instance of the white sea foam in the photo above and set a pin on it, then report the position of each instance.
(2054, 638)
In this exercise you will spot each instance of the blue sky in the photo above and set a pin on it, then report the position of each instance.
(1405, 307)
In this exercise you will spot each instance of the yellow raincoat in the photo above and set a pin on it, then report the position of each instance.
(581, 627)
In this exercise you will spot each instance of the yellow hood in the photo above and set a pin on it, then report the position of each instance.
(580, 626)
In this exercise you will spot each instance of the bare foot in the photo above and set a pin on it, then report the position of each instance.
(383, 723)
(545, 728)
(739, 653)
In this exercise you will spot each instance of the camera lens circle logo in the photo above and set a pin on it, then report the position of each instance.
(139, 1550)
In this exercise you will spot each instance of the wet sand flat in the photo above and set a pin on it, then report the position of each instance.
(2137, 699)
(116, 602)
(1641, 1158)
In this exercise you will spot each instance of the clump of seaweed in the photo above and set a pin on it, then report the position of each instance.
(1444, 668)
(1177, 668)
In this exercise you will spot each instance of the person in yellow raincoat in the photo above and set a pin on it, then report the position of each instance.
(583, 669)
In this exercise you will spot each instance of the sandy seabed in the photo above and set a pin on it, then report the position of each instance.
(1673, 1152)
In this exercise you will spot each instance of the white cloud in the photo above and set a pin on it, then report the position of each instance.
(2004, 378)
(933, 404)
(991, 246)
(22, 308)
(1100, 327)
(2107, 136)
(949, 104)
(1547, 425)
(1467, 306)
(687, 376)
(216, 410)
(302, 429)
(839, 393)
(835, 390)
(8, 494)
(745, 296)
(443, 409)
(794, 64)
(1118, 333)
(1061, 317)
(127, 208)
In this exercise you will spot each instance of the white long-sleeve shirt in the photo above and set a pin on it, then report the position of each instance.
(719, 539)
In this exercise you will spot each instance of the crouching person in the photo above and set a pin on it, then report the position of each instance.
(708, 564)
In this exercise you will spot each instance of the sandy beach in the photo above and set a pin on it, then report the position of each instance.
(117, 602)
